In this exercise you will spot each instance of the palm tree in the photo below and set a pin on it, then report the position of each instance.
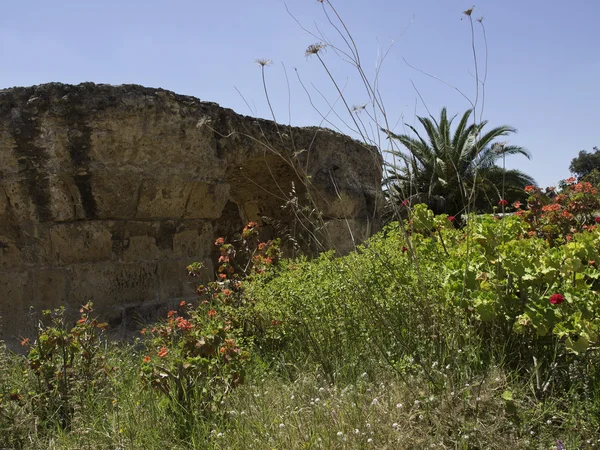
(454, 173)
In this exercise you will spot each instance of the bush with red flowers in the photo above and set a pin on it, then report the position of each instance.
(556, 216)
(194, 359)
(531, 269)
(200, 353)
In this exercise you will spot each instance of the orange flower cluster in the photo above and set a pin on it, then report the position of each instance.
(551, 207)
(183, 324)
(584, 187)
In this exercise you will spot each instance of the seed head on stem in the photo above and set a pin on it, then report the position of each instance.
(315, 48)
(263, 62)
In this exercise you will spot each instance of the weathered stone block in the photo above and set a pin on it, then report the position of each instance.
(193, 239)
(163, 199)
(113, 284)
(185, 285)
(18, 199)
(65, 199)
(16, 292)
(50, 288)
(206, 200)
(10, 255)
(80, 242)
(115, 193)
(343, 235)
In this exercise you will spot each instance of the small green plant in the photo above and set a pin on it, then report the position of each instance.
(194, 359)
(200, 354)
(68, 363)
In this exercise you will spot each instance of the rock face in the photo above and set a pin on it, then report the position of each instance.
(107, 193)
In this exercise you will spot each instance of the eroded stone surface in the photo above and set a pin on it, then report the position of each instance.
(108, 192)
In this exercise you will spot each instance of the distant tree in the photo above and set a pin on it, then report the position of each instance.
(585, 163)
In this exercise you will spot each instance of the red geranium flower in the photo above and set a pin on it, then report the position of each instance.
(503, 202)
(219, 242)
(597, 219)
(405, 202)
(557, 299)
(451, 218)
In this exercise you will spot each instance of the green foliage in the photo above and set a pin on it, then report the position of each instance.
(67, 363)
(483, 336)
(585, 163)
(197, 358)
(556, 217)
(200, 354)
(423, 279)
(450, 172)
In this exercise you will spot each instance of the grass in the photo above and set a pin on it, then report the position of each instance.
(273, 410)
(367, 351)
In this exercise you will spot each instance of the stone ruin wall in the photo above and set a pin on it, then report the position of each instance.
(107, 193)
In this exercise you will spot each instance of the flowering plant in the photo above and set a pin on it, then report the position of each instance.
(556, 216)
(194, 358)
(67, 362)
(200, 353)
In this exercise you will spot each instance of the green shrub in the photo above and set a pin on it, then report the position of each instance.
(68, 364)
(424, 292)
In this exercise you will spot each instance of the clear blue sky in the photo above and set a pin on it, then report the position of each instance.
(543, 73)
